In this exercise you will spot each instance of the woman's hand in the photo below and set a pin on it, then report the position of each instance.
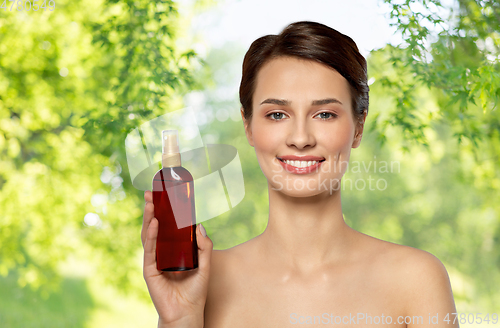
(179, 297)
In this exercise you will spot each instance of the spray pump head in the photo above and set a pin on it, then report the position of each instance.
(170, 148)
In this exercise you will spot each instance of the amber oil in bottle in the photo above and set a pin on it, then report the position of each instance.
(174, 207)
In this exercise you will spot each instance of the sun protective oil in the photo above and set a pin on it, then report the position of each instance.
(174, 207)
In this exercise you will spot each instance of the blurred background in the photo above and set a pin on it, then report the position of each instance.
(77, 76)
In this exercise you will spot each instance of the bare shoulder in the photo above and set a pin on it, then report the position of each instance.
(426, 281)
(427, 287)
(220, 268)
(418, 275)
(226, 278)
(222, 260)
(416, 268)
(421, 265)
(405, 260)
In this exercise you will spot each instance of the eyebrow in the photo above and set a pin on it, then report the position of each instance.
(282, 102)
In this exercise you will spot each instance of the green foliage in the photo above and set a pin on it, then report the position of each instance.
(73, 82)
(457, 56)
(441, 89)
(141, 67)
(25, 308)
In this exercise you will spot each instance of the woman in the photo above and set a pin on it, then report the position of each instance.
(304, 98)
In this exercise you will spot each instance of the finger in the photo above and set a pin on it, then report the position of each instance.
(148, 196)
(205, 247)
(150, 250)
(147, 216)
(149, 213)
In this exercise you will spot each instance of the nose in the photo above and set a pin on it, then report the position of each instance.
(301, 135)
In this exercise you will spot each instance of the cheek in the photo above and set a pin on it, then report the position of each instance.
(264, 138)
(342, 147)
(338, 137)
(267, 140)
(259, 137)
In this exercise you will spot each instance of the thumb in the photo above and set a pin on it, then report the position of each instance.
(205, 247)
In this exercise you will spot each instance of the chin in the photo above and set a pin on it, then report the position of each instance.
(300, 193)
(306, 185)
(297, 187)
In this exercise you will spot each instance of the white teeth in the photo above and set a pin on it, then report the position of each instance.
(301, 163)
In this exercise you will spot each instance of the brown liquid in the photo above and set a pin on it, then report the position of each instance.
(173, 192)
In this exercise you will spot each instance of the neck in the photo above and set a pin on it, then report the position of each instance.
(304, 233)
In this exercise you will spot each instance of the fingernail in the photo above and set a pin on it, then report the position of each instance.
(202, 230)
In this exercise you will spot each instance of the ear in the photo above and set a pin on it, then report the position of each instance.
(248, 128)
(359, 131)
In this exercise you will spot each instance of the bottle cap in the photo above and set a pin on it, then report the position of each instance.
(170, 141)
(170, 152)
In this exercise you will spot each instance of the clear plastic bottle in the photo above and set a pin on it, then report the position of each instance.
(174, 207)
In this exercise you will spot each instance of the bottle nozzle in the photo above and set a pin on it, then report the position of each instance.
(170, 141)
(170, 152)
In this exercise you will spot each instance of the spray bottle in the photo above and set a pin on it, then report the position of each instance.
(174, 208)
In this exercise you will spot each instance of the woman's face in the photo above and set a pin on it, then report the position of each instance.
(302, 108)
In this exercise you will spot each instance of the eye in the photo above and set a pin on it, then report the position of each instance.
(278, 116)
(326, 117)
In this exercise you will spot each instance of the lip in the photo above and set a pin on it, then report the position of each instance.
(300, 170)
(301, 158)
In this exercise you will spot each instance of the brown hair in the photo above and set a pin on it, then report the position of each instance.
(311, 41)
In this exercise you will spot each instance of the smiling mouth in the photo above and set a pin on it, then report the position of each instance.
(300, 163)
